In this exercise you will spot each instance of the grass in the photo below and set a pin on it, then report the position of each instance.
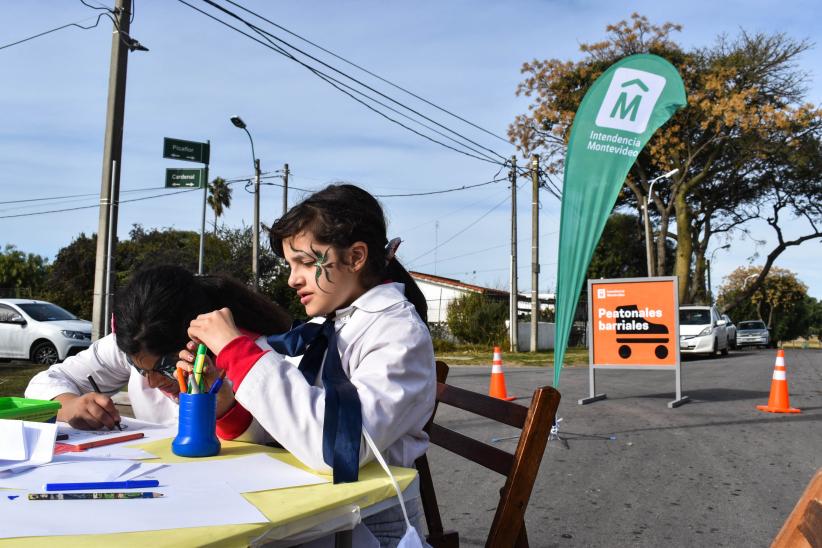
(483, 356)
(14, 377)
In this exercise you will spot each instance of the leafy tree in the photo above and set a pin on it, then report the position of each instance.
(219, 198)
(71, 279)
(621, 251)
(474, 319)
(745, 144)
(814, 316)
(21, 272)
(72, 275)
(781, 301)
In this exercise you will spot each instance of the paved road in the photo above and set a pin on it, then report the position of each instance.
(715, 472)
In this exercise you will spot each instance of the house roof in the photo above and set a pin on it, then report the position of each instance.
(458, 284)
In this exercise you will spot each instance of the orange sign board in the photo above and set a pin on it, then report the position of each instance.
(634, 322)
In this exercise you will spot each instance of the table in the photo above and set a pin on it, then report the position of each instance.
(295, 514)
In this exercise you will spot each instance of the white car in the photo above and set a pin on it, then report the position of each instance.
(730, 331)
(702, 330)
(40, 331)
(753, 333)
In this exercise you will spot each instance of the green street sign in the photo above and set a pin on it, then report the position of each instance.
(185, 177)
(186, 150)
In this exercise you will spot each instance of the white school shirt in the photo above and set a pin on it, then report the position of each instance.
(104, 361)
(386, 351)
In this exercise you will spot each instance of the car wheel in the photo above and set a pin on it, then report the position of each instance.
(715, 349)
(733, 344)
(44, 353)
(725, 350)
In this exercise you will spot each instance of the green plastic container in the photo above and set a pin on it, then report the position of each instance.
(28, 410)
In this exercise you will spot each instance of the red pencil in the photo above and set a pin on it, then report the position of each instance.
(69, 447)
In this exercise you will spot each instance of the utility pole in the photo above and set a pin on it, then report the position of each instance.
(255, 234)
(285, 189)
(534, 250)
(436, 244)
(512, 315)
(710, 290)
(649, 244)
(200, 261)
(112, 154)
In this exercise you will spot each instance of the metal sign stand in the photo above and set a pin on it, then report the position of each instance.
(592, 395)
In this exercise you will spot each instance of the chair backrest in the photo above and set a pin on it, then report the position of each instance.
(519, 468)
(804, 524)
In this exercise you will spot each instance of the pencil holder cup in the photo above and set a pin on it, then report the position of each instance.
(196, 433)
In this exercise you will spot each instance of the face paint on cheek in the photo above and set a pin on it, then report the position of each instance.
(321, 264)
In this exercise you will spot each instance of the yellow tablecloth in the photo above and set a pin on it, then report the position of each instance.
(280, 506)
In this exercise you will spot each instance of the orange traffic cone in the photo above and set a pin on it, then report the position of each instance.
(778, 400)
(497, 388)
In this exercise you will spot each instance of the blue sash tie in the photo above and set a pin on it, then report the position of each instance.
(342, 424)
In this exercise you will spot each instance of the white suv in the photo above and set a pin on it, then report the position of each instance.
(40, 331)
(702, 330)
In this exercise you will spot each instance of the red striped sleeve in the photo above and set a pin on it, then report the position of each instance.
(237, 358)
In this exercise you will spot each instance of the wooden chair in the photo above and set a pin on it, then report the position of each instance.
(520, 468)
(804, 524)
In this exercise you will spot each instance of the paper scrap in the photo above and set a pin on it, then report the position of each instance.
(12, 441)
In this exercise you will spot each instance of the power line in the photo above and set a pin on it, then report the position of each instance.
(73, 196)
(77, 24)
(336, 83)
(523, 267)
(482, 251)
(270, 175)
(463, 187)
(377, 76)
(481, 217)
(275, 37)
(448, 214)
(97, 205)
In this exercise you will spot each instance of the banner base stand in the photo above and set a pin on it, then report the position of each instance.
(592, 399)
(681, 401)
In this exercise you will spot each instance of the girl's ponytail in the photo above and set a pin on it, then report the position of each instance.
(397, 273)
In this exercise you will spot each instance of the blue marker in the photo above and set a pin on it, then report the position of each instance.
(131, 484)
(217, 384)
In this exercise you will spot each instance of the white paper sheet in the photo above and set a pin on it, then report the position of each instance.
(35, 479)
(243, 474)
(150, 432)
(40, 443)
(182, 506)
(12, 441)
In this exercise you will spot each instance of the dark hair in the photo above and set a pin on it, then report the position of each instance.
(340, 215)
(152, 313)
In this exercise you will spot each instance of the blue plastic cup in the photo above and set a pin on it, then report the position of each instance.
(196, 433)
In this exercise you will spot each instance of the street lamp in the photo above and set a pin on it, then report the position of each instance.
(710, 261)
(255, 233)
(746, 280)
(648, 251)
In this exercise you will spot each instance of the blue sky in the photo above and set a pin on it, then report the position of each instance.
(462, 55)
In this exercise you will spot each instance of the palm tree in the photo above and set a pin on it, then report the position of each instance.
(219, 198)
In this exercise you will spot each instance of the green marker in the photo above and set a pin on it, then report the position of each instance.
(199, 361)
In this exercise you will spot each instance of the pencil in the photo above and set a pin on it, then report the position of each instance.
(86, 496)
(97, 389)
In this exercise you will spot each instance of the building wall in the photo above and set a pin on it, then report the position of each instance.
(438, 298)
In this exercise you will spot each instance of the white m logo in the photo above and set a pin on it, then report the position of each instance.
(630, 100)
